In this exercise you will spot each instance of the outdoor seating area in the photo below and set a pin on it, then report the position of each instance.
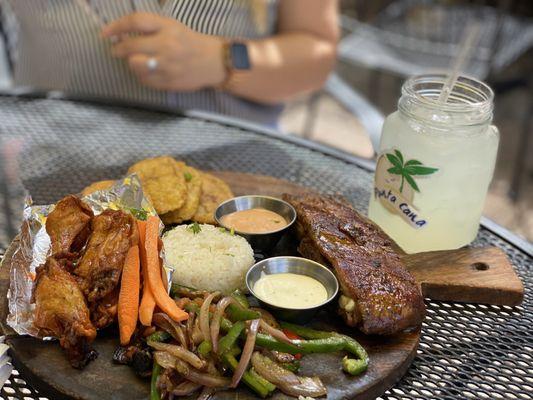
(266, 199)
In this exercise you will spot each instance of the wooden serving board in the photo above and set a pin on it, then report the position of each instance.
(45, 367)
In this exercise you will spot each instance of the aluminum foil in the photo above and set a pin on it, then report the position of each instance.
(32, 247)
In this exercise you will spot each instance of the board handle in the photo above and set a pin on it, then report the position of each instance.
(471, 275)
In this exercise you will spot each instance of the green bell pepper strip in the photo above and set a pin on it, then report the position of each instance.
(236, 313)
(234, 351)
(327, 345)
(255, 382)
(351, 366)
(159, 336)
(228, 341)
(205, 348)
(190, 307)
(270, 386)
(225, 324)
(175, 289)
(304, 332)
(316, 341)
(241, 298)
(154, 391)
(185, 291)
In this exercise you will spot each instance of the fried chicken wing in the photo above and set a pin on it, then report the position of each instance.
(100, 267)
(379, 295)
(61, 312)
(68, 225)
(104, 311)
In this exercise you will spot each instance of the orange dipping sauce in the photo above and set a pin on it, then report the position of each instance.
(254, 220)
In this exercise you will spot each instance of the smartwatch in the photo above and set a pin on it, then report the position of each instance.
(237, 56)
(236, 62)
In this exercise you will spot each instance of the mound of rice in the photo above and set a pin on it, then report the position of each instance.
(209, 259)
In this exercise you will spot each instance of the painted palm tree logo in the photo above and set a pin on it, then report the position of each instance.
(408, 169)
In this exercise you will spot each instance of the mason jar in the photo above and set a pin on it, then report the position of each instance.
(435, 162)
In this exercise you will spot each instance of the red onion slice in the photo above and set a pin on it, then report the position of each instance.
(179, 352)
(204, 315)
(246, 353)
(185, 389)
(287, 381)
(201, 378)
(165, 359)
(276, 333)
(215, 322)
(206, 393)
(189, 328)
(175, 329)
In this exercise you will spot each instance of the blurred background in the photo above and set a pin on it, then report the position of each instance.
(383, 42)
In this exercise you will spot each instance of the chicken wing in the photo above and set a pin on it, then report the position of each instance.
(68, 225)
(61, 312)
(104, 311)
(100, 267)
(379, 295)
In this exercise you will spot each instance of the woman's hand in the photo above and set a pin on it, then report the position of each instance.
(185, 59)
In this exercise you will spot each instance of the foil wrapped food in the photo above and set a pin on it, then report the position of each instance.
(32, 246)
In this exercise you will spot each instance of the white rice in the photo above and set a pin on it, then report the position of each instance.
(210, 259)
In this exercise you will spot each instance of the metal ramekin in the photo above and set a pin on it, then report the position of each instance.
(295, 265)
(260, 242)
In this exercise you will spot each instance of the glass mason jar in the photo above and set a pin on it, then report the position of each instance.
(435, 163)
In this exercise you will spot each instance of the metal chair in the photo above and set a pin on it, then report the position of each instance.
(351, 100)
(414, 36)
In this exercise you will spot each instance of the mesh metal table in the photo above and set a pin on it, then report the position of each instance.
(50, 148)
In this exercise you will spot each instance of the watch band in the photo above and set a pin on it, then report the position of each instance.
(233, 75)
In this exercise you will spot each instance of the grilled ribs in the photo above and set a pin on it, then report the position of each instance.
(379, 296)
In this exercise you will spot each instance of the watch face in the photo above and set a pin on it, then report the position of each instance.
(239, 56)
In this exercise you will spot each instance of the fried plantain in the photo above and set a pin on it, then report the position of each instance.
(96, 186)
(194, 189)
(214, 192)
(165, 188)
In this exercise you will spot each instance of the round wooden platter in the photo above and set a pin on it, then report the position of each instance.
(44, 366)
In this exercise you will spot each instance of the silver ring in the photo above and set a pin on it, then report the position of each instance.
(152, 64)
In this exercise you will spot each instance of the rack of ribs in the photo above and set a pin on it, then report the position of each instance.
(378, 294)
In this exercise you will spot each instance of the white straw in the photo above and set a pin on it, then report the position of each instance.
(469, 40)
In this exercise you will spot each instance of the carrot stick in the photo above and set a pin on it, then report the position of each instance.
(155, 281)
(128, 298)
(146, 310)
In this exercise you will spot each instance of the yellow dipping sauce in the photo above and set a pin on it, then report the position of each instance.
(290, 290)
(254, 220)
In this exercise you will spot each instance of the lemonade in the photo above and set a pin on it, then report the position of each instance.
(435, 164)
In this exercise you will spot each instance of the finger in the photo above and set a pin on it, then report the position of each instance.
(156, 79)
(134, 23)
(138, 63)
(134, 45)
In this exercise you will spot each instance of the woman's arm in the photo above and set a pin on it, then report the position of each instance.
(296, 60)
